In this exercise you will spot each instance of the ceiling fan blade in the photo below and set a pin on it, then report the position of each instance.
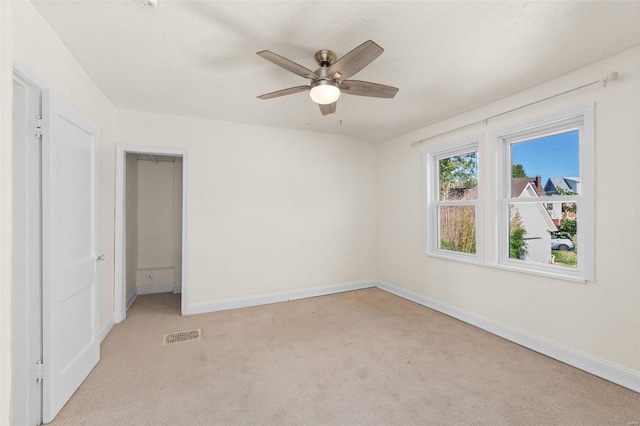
(288, 65)
(328, 109)
(354, 61)
(366, 88)
(284, 92)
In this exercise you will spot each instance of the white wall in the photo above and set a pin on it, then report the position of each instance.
(153, 208)
(156, 268)
(36, 46)
(131, 223)
(601, 318)
(28, 40)
(268, 210)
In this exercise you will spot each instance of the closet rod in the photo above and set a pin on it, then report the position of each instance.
(611, 77)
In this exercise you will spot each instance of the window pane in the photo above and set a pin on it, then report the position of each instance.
(546, 166)
(458, 228)
(544, 233)
(458, 177)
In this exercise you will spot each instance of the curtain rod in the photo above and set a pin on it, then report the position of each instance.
(611, 77)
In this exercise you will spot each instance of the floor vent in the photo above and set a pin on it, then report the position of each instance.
(181, 336)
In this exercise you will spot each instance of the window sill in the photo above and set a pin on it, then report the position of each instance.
(509, 267)
(455, 256)
(574, 277)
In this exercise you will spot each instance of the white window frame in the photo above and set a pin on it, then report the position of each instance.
(580, 119)
(431, 200)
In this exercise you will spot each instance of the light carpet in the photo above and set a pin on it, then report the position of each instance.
(359, 358)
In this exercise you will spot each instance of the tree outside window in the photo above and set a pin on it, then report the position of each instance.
(458, 182)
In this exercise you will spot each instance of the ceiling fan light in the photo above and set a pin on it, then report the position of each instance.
(324, 92)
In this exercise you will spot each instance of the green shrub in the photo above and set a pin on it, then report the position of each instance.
(517, 245)
(570, 226)
(468, 246)
(568, 258)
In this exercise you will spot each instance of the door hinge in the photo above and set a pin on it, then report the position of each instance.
(38, 126)
(39, 371)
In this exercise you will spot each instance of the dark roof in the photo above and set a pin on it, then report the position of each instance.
(463, 193)
(519, 184)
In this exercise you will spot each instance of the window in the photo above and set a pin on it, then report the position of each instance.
(541, 209)
(453, 202)
(545, 222)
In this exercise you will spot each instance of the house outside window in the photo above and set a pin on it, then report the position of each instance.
(545, 217)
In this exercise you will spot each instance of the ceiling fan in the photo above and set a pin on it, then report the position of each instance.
(331, 79)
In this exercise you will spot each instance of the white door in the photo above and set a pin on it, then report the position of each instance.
(71, 347)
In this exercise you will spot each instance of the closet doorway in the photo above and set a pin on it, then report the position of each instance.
(150, 224)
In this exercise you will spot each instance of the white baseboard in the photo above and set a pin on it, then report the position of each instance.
(131, 298)
(155, 288)
(177, 288)
(106, 327)
(244, 302)
(614, 373)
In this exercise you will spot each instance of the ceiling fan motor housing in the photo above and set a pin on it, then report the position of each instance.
(325, 58)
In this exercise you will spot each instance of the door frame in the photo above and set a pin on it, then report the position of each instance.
(120, 292)
(26, 288)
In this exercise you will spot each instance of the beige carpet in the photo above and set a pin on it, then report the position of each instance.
(359, 358)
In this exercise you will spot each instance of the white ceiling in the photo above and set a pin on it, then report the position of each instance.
(198, 58)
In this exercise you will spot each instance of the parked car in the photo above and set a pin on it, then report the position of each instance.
(562, 242)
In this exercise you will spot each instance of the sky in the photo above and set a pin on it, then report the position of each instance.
(551, 156)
